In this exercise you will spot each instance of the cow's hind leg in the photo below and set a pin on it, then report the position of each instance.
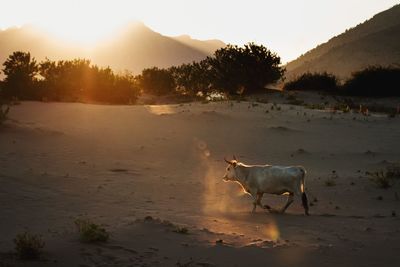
(288, 202)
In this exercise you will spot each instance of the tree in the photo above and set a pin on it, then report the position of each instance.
(20, 71)
(65, 80)
(156, 81)
(247, 69)
(192, 78)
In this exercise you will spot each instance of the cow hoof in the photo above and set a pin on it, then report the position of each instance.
(274, 211)
(266, 207)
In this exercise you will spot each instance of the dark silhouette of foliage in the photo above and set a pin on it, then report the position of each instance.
(248, 69)
(374, 82)
(190, 79)
(65, 80)
(20, 70)
(156, 81)
(313, 82)
(78, 80)
(232, 70)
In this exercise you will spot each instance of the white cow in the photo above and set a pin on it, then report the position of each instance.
(259, 179)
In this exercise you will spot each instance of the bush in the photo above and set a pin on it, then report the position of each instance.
(385, 178)
(90, 232)
(330, 182)
(75, 80)
(374, 81)
(3, 113)
(313, 82)
(28, 246)
(156, 81)
(192, 79)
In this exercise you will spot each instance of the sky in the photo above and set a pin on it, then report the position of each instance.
(287, 27)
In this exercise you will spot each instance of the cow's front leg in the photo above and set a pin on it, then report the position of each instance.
(257, 201)
(254, 205)
(259, 197)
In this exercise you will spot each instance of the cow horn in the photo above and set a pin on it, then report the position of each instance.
(234, 157)
(227, 161)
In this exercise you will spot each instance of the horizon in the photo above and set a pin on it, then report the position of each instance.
(89, 26)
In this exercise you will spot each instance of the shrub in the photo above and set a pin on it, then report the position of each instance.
(330, 182)
(315, 106)
(78, 79)
(375, 81)
(3, 113)
(381, 179)
(393, 171)
(313, 82)
(28, 246)
(157, 81)
(90, 232)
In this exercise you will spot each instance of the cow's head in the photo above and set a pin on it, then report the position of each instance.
(230, 174)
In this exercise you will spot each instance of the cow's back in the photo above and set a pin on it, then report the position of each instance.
(276, 179)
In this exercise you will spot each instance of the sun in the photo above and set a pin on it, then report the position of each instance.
(81, 31)
(84, 22)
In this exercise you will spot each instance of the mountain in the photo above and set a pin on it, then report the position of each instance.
(374, 42)
(207, 46)
(133, 48)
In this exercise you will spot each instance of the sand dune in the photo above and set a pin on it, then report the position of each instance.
(119, 164)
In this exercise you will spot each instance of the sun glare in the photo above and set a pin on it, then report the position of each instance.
(81, 32)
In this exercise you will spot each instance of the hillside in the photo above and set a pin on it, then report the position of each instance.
(133, 48)
(374, 42)
(207, 46)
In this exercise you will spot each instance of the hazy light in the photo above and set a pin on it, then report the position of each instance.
(272, 231)
(161, 109)
(288, 27)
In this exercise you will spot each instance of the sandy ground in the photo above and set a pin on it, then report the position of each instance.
(118, 164)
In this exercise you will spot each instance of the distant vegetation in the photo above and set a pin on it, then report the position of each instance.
(73, 80)
(4, 107)
(232, 70)
(313, 82)
(373, 81)
(237, 70)
(156, 81)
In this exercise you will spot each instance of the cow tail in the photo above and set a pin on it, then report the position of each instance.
(304, 199)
